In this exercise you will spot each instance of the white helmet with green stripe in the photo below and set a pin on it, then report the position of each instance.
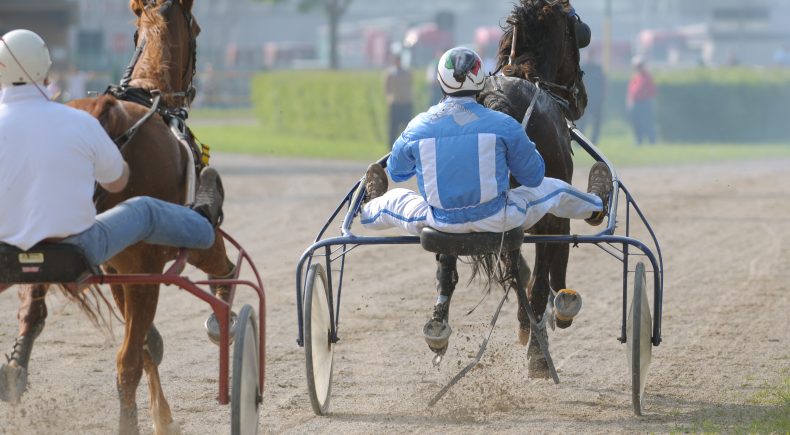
(461, 72)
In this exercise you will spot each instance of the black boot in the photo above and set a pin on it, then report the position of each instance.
(210, 196)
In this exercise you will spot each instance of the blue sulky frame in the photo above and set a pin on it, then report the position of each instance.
(618, 246)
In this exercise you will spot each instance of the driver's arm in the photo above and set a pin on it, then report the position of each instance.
(523, 159)
(119, 184)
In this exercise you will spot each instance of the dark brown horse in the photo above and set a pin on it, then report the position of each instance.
(159, 167)
(543, 65)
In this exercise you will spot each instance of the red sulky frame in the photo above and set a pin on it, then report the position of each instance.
(222, 309)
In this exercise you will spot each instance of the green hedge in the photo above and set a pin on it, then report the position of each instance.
(715, 105)
(328, 104)
(704, 105)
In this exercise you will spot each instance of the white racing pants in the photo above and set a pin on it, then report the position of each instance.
(408, 210)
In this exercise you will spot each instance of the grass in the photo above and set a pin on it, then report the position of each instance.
(216, 127)
(769, 412)
(253, 139)
(777, 415)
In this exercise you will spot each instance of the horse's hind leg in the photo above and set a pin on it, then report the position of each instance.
(446, 279)
(538, 367)
(31, 315)
(437, 329)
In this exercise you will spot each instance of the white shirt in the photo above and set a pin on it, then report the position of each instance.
(50, 156)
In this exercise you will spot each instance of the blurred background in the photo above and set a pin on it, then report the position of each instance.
(308, 77)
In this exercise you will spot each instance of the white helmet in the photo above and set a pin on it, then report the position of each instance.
(461, 72)
(24, 58)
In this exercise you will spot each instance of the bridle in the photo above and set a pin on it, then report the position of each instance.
(141, 42)
(553, 89)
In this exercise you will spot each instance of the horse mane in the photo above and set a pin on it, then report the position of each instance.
(530, 44)
(153, 65)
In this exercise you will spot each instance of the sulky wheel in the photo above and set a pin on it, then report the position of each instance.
(639, 347)
(245, 396)
(318, 347)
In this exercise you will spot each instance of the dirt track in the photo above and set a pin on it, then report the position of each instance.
(725, 232)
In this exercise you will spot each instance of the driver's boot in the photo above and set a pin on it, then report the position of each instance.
(210, 196)
(600, 184)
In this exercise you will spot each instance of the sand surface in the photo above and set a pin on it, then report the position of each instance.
(725, 234)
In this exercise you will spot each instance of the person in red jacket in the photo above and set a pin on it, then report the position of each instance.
(641, 94)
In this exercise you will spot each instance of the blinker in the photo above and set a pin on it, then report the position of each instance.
(583, 33)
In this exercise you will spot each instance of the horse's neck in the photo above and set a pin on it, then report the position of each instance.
(152, 74)
(149, 74)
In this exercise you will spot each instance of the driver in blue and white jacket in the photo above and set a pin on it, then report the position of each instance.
(462, 154)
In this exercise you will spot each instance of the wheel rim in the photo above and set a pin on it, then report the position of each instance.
(245, 394)
(639, 348)
(319, 350)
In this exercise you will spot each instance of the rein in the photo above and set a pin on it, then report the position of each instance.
(127, 136)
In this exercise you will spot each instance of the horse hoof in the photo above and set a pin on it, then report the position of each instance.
(155, 345)
(523, 336)
(437, 335)
(212, 328)
(567, 305)
(173, 428)
(538, 368)
(13, 382)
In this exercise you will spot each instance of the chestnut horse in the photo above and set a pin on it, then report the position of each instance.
(159, 165)
(543, 65)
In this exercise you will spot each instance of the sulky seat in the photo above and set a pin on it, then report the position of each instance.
(471, 243)
(44, 263)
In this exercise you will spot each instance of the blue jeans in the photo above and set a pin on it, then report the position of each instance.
(644, 121)
(143, 219)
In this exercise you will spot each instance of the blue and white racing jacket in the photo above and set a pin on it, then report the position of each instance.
(462, 154)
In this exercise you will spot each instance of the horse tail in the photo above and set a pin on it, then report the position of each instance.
(492, 269)
(94, 304)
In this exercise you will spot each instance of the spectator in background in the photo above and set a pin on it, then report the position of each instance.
(732, 60)
(782, 56)
(595, 82)
(639, 101)
(399, 103)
